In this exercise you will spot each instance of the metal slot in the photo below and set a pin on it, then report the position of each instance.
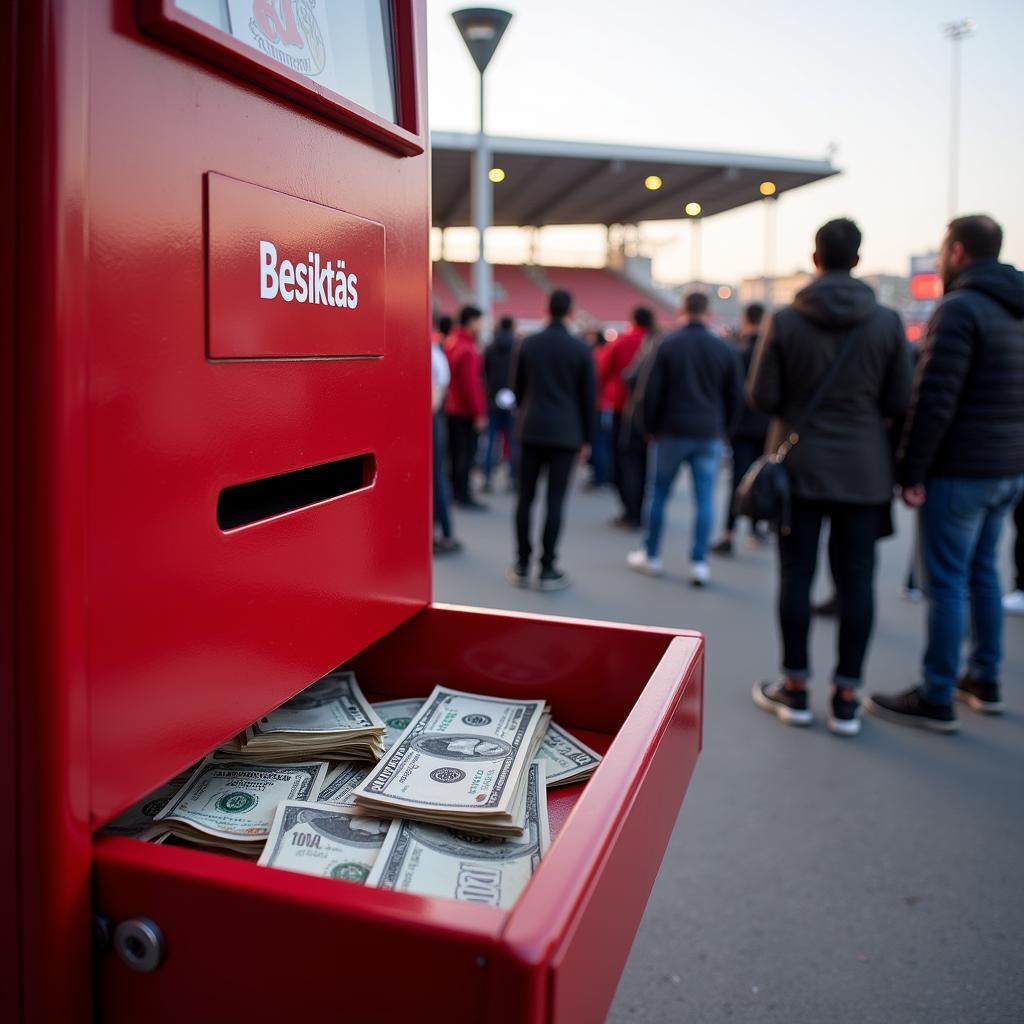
(258, 500)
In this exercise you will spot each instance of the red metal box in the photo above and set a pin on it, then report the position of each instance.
(632, 693)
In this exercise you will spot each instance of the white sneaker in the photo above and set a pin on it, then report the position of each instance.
(700, 574)
(1013, 603)
(639, 562)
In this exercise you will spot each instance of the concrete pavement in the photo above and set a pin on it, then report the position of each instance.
(810, 878)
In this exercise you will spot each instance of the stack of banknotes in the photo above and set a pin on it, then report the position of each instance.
(456, 806)
(331, 719)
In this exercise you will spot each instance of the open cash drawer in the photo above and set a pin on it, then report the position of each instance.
(241, 941)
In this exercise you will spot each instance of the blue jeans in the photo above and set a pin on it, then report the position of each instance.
(500, 427)
(960, 524)
(601, 451)
(704, 456)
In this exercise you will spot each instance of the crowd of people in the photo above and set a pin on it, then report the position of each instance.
(820, 407)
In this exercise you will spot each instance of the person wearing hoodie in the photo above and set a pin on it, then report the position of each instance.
(500, 415)
(842, 467)
(961, 465)
(465, 404)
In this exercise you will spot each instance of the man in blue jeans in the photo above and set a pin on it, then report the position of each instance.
(961, 465)
(690, 399)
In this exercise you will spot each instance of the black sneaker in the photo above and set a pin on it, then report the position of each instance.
(518, 575)
(553, 579)
(845, 717)
(791, 706)
(980, 696)
(723, 547)
(910, 708)
(827, 609)
(446, 545)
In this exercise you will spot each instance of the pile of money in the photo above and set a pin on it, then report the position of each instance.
(232, 804)
(397, 715)
(330, 719)
(566, 759)
(433, 861)
(137, 821)
(462, 762)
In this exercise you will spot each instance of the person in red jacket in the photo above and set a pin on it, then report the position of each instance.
(465, 403)
(614, 395)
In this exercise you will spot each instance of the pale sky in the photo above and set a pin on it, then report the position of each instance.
(786, 78)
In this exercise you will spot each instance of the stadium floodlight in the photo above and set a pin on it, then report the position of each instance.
(767, 188)
(652, 182)
(496, 174)
(956, 32)
(481, 29)
(692, 209)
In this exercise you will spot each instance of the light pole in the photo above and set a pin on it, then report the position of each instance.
(482, 29)
(956, 32)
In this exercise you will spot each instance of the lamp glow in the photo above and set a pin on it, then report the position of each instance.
(767, 188)
(496, 174)
(652, 182)
(692, 209)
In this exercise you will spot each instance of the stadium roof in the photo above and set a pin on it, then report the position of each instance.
(552, 182)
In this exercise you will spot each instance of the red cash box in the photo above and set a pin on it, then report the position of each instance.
(216, 488)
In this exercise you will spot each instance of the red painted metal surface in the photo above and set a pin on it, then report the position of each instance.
(139, 634)
(555, 957)
(287, 277)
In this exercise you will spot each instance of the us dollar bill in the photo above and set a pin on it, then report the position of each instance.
(137, 821)
(332, 704)
(341, 780)
(462, 755)
(434, 861)
(566, 759)
(233, 803)
(397, 714)
(318, 839)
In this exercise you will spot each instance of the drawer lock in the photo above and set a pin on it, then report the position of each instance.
(140, 944)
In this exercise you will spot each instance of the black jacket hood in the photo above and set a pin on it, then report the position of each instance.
(836, 300)
(999, 281)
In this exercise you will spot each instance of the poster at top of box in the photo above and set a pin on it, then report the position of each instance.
(294, 33)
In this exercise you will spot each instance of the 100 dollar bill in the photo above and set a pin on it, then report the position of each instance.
(434, 861)
(317, 839)
(462, 753)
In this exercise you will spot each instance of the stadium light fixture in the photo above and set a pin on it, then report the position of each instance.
(652, 182)
(767, 188)
(692, 209)
(481, 29)
(496, 174)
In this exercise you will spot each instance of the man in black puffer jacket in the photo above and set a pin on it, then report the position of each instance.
(962, 464)
(842, 467)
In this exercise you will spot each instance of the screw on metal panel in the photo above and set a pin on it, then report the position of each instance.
(102, 932)
(139, 943)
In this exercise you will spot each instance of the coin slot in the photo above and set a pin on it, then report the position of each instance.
(259, 500)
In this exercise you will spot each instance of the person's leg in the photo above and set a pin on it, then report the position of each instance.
(559, 463)
(950, 523)
(1018, 546)
(853, 534)
(986, 592)
(798, 559)
(460, 432)
(744, 453)
(668, 457)
(530, 462)
(704, 457)
(441, 516)
(634, 475)
(493, 438)
(617, 445)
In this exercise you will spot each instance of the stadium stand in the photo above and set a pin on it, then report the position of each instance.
(601, 295)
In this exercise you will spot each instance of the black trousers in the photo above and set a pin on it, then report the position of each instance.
(616, 466)
(745, 452)
(558, 462)
(853, 532)
(461, 452)
(633, 471)
(1018, 546)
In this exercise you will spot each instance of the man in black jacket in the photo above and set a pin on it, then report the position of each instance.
(749, 433)
(690, 399)
(500, 417)
(962, 465)
(556, 391)
(841, 467)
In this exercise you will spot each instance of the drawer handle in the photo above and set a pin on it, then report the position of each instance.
(140, 944)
